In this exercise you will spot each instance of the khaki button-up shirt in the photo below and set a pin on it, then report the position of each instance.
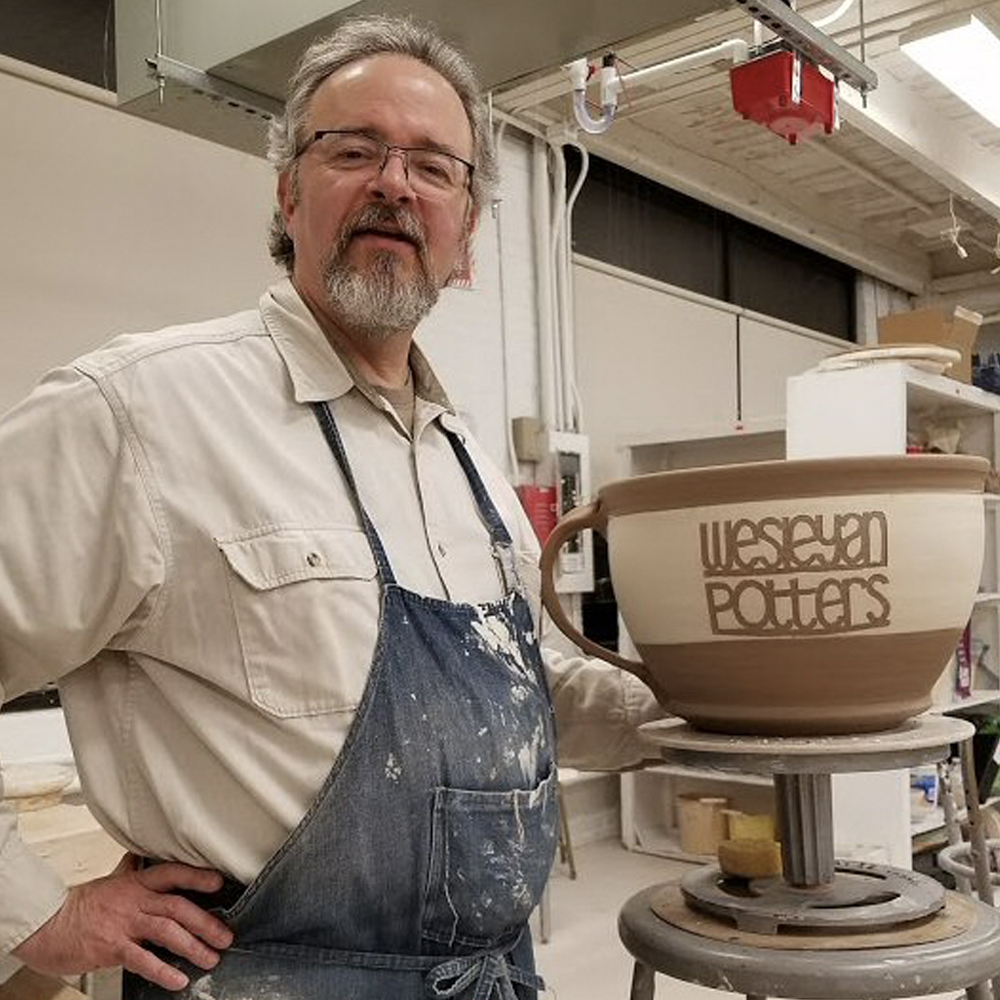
(177, 545)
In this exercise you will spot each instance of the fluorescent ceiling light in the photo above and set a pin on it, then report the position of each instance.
(966, 59)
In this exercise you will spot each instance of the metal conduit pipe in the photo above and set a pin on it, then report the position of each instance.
(558, 279)
(543, 286)
(564, 284)
(497, 212)
(574, 403)
(56, 81)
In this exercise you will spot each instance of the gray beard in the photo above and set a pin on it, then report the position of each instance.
(378, 302)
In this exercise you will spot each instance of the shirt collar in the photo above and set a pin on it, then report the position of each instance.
(317, 371)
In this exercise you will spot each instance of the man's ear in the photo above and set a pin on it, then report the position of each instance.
(461, 273)
(471, 222)
(288, 194)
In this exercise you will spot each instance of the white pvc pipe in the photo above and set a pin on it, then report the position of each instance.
(734, 49)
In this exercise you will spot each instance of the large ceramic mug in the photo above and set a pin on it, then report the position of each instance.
(819, 596)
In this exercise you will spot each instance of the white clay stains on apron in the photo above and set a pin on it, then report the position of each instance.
(415, 870)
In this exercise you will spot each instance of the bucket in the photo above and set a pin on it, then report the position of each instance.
(702, 823)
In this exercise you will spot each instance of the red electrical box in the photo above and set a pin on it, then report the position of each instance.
(786, 93)
(539, 503)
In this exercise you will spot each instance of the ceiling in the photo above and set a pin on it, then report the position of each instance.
(878, 193)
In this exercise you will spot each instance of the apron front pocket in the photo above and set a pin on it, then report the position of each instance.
(491, 854)
(306, 601)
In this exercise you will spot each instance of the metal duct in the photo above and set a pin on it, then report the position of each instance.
(217, 68)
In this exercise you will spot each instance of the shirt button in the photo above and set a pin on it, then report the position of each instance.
(442, 551)
(314, 559)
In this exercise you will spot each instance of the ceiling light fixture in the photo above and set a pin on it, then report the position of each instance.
(965, 57)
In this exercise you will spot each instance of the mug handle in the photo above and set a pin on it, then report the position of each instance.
(578, 519)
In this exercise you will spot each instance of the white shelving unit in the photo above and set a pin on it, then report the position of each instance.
(648, 800)
(878, 410)
(871, 411)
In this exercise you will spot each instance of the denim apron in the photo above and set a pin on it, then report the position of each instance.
(414, 871)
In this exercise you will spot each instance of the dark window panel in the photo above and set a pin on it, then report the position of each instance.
(644, 227)
(779, 278)
(634, 223)
(73, 37)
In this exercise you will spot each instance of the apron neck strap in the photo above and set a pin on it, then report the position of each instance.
(500, 540)
(499, 535)
(487, 509)
(329, 428)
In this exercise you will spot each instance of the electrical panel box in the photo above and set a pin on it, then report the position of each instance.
(570, 455)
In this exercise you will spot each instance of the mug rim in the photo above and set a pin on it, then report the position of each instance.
(787, 479)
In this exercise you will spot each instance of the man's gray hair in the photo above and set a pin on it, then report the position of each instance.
(361, 38)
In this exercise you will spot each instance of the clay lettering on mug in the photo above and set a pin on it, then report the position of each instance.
(803, 574)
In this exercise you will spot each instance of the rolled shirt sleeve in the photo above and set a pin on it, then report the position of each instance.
(599, 709)
(81, 562)
(29, 890)
(598, 706)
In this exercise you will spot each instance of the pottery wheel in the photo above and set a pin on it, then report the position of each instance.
(860, 897)
(923, 740)
(955, 917)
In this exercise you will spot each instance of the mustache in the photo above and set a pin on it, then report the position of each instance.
(396, 220)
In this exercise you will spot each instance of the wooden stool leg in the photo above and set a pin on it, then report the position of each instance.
(545, 915)
(565, 844)
(978, 851)
(642, 982)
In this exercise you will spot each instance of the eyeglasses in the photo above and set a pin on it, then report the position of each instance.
(432, 173)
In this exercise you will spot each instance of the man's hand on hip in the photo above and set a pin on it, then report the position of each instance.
(106, 922)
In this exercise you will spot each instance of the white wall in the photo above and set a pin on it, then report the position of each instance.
(113, 223)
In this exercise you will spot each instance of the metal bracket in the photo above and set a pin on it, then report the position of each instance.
(812, 43)
(164, 68)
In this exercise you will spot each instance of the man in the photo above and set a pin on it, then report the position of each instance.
(292, 605)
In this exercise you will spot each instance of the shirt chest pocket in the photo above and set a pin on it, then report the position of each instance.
(306, 602)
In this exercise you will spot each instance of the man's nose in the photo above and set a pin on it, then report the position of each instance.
(392, 180)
